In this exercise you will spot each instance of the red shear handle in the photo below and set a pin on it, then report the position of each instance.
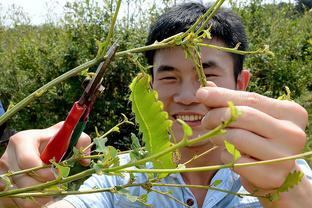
(58, 145)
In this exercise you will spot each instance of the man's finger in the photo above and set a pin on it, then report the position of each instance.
(83, 142)
(215, 97)
(259, 123)
(27, 156)
(252, 144)
(261, 174)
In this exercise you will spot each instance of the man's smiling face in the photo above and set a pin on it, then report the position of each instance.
(176, 82)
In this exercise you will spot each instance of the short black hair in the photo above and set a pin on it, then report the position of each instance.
(226, 26)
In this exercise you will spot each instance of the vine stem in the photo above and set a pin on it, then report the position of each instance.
(204, 187)
(200, 155)
(201, 18)
(155, 46)
(25, 171)
(215, 8)
(65, 193)
(113, 189)
(235, 50)
(217, 167)
(170, 197)
(107, 133)
(39, 92)
(88, 172)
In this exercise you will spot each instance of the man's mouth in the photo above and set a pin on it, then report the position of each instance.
(191, 119)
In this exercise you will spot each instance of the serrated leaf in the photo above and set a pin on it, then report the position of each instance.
(292, 179)
(153, 121)
(100, 144)
(232, 150)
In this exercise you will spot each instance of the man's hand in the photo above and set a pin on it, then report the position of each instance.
(23, 152)
(267, 129)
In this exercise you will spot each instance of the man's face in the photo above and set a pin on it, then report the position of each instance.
(176, 82)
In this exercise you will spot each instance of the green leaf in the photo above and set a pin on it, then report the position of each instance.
(130, 197)
(217, 182)
(292, 179)
(286, 95)
(97, 166)
(153, 121)
(273, 196)
(63, 171)
(178, 40)
(7, 182)
(135, 142)
(235, 113)
(100, 144)
(116, 129)
(207, 34)
(143, 197)
(232, 150)
(186, 128)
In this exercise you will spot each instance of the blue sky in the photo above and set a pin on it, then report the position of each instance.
(40, 10)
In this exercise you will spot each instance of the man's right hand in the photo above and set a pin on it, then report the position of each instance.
(23, 152)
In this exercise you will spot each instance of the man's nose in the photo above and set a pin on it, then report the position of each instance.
(186, 94)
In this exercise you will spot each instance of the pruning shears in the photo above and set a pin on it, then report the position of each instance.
(66, 138)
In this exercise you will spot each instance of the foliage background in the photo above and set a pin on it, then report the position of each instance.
(31, 56)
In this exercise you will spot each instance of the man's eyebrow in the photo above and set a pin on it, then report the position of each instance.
(208, 64)
(164, 68)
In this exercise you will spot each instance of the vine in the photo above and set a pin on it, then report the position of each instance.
(154, 125)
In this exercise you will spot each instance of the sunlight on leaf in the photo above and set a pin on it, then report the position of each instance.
(232, 150)
(186, 128)
(63, 171)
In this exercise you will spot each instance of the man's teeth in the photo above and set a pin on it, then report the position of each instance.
(190, 117)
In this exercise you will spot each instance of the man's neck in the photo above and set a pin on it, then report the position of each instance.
(199, 178)
(211, 158)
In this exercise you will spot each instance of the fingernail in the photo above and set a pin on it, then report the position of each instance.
(211, 84)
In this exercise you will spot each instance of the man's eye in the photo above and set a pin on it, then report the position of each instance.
(211, 75)
(167, 78)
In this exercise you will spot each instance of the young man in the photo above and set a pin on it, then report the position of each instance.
(267, 129)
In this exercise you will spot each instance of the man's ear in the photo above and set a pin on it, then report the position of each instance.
(243, 80)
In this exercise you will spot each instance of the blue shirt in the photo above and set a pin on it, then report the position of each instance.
(216, 199)
(2, 111)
